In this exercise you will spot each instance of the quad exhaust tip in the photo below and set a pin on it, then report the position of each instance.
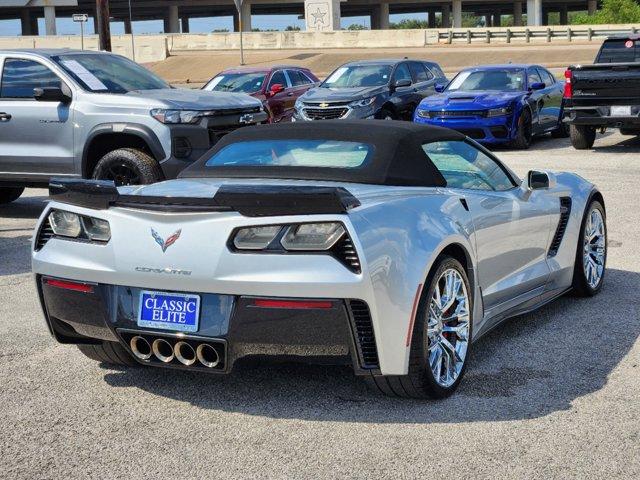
(207, 355)
(185, 353)
(163, 350)
(140, 347)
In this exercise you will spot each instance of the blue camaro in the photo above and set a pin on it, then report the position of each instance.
(498, 104)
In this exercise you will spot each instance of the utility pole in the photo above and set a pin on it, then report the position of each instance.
(104, 31)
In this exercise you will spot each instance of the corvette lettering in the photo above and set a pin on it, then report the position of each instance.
(167, 271)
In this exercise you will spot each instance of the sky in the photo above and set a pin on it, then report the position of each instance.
(65, 26)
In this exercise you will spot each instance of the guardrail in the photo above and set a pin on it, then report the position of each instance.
(530, 34)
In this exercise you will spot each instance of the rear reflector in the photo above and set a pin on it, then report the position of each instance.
(292, 304)
(68, 285)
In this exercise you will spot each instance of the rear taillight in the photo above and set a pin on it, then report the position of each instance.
(568, 85)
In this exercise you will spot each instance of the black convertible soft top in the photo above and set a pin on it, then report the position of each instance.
(397, 159)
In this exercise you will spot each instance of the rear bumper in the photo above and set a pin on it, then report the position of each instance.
(339, 329)
(600, 116)
(494, 130)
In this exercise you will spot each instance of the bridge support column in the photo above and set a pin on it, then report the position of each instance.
(534, 13)
(431, 18)
(185, 24)
(246, 16)
(517, 14)
(172, 23)
(446, 16)
(497, 20)
(50, 20)
(564, 15)
(380, 17)
(457, 13)
(127, 26)
(322, 15)
(26, 23)
(592, 6)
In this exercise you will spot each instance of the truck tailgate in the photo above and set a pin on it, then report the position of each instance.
(608, 84)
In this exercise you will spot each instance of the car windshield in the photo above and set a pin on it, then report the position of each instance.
(292, 153)
(358, 76)
(494, 79)
(237, 82)
(102, 73)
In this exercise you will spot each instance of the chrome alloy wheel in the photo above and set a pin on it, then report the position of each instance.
(594, 248)
(448, 327)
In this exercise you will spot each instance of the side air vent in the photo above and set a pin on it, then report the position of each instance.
(44, 234)
(364, 336)
(565, 212)
(346, 253)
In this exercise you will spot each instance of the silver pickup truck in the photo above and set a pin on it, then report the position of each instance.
(69, 113)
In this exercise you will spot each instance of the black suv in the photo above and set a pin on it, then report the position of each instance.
(383, 89)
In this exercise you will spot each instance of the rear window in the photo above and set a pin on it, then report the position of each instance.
(619, 51)
(293, 153)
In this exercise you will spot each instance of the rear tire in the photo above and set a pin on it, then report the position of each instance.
(592, 242)
(582, 136)
(108, 352)
(10, 194)
(426, 340)
(524, 134)
(128, 166)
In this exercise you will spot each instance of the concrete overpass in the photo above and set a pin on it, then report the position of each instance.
(320, 15)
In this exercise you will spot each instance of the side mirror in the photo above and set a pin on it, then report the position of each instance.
(538, 86)
(52, 94)
(275, 89)
(439, 87)
(540, 180)
(405, 82)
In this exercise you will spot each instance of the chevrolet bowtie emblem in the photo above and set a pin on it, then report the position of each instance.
(323, 105)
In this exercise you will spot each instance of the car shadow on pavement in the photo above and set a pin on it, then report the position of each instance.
(24, 207)
(530, 366)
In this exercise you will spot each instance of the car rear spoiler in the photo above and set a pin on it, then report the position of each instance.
(248, 200)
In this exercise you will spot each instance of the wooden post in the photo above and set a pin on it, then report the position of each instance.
(104, 31)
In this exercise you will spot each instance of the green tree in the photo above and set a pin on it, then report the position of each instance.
(292, 28)
(612, 11)
(409, 24)
(357, 26)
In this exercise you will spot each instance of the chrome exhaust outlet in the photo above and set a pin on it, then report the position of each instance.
(207, 355)
(140, 347)
(162, 350)
(185, 353)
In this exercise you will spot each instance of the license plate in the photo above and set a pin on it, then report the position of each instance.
(169, 311)
(624, 111)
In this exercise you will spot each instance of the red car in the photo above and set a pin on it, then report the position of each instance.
(278, 87)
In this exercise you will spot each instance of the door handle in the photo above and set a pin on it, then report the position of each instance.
(4, 117)
(290, 94)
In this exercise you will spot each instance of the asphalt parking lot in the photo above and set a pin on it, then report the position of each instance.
(553, 394)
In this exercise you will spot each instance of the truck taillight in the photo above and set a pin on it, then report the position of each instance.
(568, 86)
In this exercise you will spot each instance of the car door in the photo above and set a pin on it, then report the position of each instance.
(36, 137)
(553, 93)
(512, 225)
(405, 99)
(536, 101)
(423, 79)
(300, 83)
(280, 104)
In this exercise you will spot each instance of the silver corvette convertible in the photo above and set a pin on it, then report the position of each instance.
(389, 246)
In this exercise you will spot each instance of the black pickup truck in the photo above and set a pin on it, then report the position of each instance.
(605, 94)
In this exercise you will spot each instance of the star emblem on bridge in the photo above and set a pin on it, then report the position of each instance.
(318, 16)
